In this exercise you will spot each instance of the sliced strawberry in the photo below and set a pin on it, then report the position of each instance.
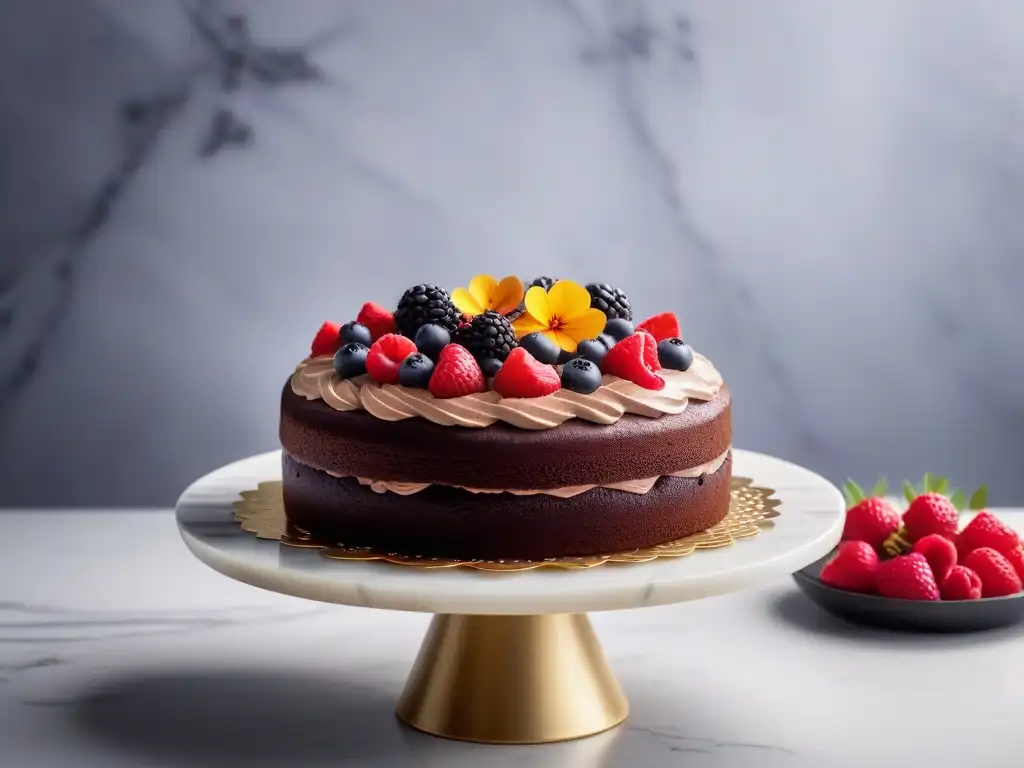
(626, 360)
(386, 356)
(457, 373)
(662, 326)
(327, 340)
(377, 319)
(523, 375)
(650, 351)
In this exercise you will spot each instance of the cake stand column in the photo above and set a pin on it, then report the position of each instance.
(512, 680)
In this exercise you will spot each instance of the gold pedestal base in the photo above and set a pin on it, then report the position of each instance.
(512, 680)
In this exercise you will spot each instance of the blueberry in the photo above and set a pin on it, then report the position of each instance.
(593, 350)
(415, 370)
(607, 340)
(356, 333)
(541, 347)
(350, 360)
(565, 356)
(490, 366)
(581, 375)
(618, 328)
(431, 339)
(675, 354)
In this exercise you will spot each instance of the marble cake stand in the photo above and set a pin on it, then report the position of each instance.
(511, 657)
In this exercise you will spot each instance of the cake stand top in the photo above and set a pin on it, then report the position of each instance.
(809, 525)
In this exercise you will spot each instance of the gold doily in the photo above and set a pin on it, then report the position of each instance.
(751, 509)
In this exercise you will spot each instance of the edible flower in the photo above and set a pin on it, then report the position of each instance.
(563, 314)
(487, 294)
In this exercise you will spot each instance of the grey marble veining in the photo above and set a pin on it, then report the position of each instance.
(830, 200)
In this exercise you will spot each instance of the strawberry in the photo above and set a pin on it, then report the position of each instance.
(930, 513)
(998, 579)
(386, 355)
(457, 373)
(987, 530)
(853, 568)
(377, 319)
(961, 584)
(662, 326)
(628, 359)
(327, 340)
(940, 553)
(872, 520)
(523, 375)
(650, 351)
(1016, 558)
(907, 577)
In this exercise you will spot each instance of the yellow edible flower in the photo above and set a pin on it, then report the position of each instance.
(563, 314)
(485, 293)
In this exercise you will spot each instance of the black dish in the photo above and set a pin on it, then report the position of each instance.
(909, 615)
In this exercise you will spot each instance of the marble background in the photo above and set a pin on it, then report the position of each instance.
(830, 195)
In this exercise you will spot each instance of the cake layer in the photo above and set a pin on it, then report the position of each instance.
(449, 522)
(356, 444)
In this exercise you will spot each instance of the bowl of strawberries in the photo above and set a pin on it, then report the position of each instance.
(925, 567)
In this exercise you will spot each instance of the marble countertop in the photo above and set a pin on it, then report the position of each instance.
(118, 649)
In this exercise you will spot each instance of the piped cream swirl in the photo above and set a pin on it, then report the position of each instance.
(315, 379)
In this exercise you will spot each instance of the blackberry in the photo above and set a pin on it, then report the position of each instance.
(488, 335)
(544, 282)
(613, 302)
(426, 304)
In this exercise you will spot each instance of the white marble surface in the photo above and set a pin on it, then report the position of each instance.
(119, 650)
(829, 197)
(809, 525)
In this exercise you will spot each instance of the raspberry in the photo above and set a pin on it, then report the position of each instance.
(987, 530)
(377, 319)
(940, 553)
(627, 361)
(961, 584)
(853, 568)
(661, 326)
(327, 340)
(907, 577)
(386, 355)
(457, 373)
(872, 520)
(523, 375)
(931, 513)
(998, 579)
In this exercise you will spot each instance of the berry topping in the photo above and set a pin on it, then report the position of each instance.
(661, 326)
(961, 584)
(423, 304)
(581, 375)
(541, 347)
(627, 361)
(326, 341)
(386, 355)
(490, 366)
(930, 513)
(1016, 558)
(415, 371)
(998, 579)
(356, 333)
(544, 282)
(457, 373)
(593, 350)
(940, 553)
(987, 530)
(618, 328)
(523, 375)
(854, 567)
(907, 577)
(872, 520)
(488, 335)
(431, 339)
(377, 319)
(611, 301)
(675, 354)
(350, 360)
(650, 350)
(608, 341)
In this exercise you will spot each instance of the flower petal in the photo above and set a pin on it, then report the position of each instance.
(587, 325)
(563, 340)
(568, 299)
(483, 288)
(507, 295)
(526, 324)
(466, 303)
(538, 306)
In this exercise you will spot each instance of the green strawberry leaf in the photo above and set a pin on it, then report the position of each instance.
(979, 498)
(928, 483)
(880, 487)
(959, 499)
(941, 485)
(909, 491)
(853, 493)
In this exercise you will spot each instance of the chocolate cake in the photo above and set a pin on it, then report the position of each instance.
(500, 422)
